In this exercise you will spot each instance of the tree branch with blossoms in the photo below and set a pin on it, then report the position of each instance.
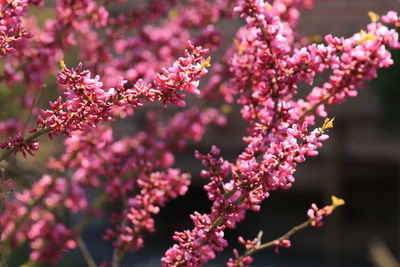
(275, 143)
(88, 103)
(253, 246)
(138, 55)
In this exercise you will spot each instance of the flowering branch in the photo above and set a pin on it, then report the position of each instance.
(278, 135)
(254, 246)
(19, 144)
(88, 103)
(261, 71)
(27, 213)
(2, 261)
(82, 223)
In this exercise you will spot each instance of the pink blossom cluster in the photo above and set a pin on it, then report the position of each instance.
(267, 66)
(120, 167)
(57, 235)
(155, 191)
(21, 145)
(11, 29)
(247, 260)
(316, 215)
(231, 199)
(198, 245)
(30, 217)
(282, 243)
(34, 58)
(141, 56)
(87, 103)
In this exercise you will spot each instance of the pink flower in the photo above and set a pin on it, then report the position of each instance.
(21, 145)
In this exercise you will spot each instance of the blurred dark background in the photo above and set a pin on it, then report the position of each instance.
(360, 163)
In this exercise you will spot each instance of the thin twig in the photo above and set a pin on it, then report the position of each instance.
(286, 236)
(27, 213)
(34, 104)
(85, 252)
(118, 253)
(311, 110)
(336, 202)
(2, 261)
(30, 138)
(99, 201)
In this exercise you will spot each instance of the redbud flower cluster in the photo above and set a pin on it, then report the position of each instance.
(87, 103)
(11, 29)
(21, 145)
(267, 66)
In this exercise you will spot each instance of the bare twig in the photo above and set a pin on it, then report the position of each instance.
(272, 243)
(118, 253)
(85, 253)
(336, 202)
(2, 261)
(99, 201)
(380, 255)
(34, 104)
(27, 213)
(30, 138)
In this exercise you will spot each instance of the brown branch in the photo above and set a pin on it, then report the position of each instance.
(336, 202)
(119, 253)
(99, 201)
(2, 261)
(26, 215)
(30, 114)
(85, 253)
(272, 243)
(311, 110)
(30, 138)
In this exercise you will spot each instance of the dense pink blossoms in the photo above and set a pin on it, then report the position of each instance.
(267, 65)
(11, 29)
(157, 52)
(22, 146)
(87, 103)
(155, 192)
